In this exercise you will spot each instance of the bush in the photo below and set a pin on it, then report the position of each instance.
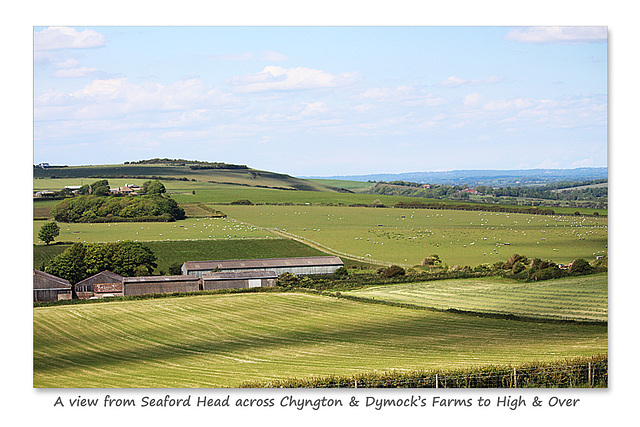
(286, 280)
(546, 274)
(342, 271)
(393, 271)
(580, 266)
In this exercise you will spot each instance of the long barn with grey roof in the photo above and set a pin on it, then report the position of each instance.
(299, 266)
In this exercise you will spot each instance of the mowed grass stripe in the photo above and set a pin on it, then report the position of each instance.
(574, 298)
(223, 340)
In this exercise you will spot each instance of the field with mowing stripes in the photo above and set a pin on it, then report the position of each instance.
(572, 298)
(224, 340)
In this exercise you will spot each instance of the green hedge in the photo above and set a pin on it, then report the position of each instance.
(567, 373)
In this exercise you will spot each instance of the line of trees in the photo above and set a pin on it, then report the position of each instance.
(83, 260)
(546, 192)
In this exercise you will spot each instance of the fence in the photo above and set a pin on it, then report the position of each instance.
(591, 373)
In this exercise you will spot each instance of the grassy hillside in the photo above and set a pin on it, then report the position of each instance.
(225, 340)
(244, 177)
(581, 298)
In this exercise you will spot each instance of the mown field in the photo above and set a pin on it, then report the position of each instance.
(224, 340)
(582, 298)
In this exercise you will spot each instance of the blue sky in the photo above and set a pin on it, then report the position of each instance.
(322, 101)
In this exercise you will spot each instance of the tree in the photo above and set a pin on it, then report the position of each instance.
(580, 266)
(48, 232)
(129, 258)
(84, 260)
(100, 188)
(69, 264)
(153, 187)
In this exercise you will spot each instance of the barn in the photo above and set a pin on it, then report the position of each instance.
(299, 266)
(103, 284)
(160, 284)
(238, 279)
(47, 287)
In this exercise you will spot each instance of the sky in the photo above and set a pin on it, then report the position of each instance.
(323, 100)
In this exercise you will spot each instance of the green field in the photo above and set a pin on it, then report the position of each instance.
(169, 253)
(190, 229)
(581, 298)
(406, 236)
(224, 340)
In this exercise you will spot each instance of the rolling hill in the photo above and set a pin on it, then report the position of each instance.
(185, 170)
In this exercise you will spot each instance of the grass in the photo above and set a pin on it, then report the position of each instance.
(225, 340)
(189, 229)
(169, 253)
(582, 298)
(406, 237)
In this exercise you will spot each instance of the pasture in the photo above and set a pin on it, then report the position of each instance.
(406, 236)
(225, 340)
(582, 298)
(189, 229)
(170, 253)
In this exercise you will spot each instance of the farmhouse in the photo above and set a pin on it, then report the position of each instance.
(47, 287)
(298, 266)
(238, 279)
(103, 284)
(160, 284)
(131, 189)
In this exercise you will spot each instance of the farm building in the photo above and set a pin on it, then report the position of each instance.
(160, 284)
(103, 284)
(238, 279)
(298, 266)
(47, 287)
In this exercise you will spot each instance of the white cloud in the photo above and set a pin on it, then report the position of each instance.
(558, 35)
(473, 100)
(454, 81)
(271, 55)
(69, 73)
(275, 78)
(244, 56)
(108, 97)
(407, 95)
(66, 38)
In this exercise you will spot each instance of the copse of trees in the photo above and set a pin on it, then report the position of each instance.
(93, 208)
(83, 260)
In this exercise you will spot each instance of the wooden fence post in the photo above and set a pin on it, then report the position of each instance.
(515, 379)
(436, 380)
(589, 379)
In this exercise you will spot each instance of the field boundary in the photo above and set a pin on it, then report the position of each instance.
(590, 372)
(485, 314)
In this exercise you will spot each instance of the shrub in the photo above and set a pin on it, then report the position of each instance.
(393, 271)
(286, 279)
(546, 274)
(580, 266)
(342, 271)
